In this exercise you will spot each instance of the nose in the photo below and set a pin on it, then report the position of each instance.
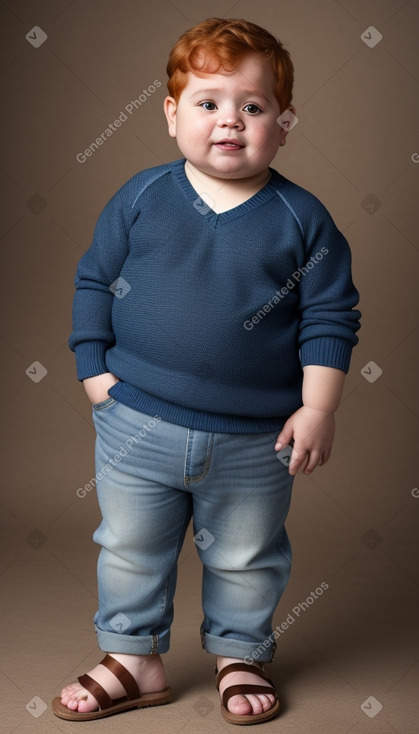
(230, 119)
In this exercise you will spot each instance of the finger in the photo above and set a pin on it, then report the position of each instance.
(325, 457)
(284, 437)
(314, 459)
(296, 460)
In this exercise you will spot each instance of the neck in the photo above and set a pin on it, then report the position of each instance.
(252, 183)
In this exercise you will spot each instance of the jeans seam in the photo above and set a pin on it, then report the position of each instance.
(154, 645)
(185, 483)
(197, 478)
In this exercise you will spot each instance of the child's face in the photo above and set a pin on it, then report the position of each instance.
(239, 106)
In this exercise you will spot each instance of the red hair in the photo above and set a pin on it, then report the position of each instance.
(226, 42)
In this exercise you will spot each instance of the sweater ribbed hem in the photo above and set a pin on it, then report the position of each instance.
(90, 359)
(195, 419)
(326, 351)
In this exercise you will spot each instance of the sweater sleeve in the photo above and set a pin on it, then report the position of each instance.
(328, 318)
(97, 271)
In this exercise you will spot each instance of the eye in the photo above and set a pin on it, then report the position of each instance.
(253, 109)
(210, 108)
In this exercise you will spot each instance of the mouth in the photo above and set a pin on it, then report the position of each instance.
(229, 144)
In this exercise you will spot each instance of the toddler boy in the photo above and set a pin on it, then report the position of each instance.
(214, 319)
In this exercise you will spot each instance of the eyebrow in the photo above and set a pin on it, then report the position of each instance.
(246, 93)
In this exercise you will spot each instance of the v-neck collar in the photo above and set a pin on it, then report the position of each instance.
(261, 196)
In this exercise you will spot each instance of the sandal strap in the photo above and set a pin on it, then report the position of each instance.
(123, 675)
(244, 689)
(120, 672)
(103, 699)
(241, 667)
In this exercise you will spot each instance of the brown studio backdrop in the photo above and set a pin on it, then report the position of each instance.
(353, 523)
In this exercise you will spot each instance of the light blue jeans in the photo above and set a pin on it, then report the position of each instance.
(151, 478)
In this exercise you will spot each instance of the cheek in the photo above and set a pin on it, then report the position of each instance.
(270, 135)
(194, 128)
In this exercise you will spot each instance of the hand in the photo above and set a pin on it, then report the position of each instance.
(97, 387)
(313, 432)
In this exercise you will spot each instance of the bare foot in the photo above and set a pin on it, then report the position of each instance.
(147, 670)
(254, 703)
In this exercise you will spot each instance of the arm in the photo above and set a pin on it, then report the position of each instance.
(99, 267)
(312, 427)
(327, 335)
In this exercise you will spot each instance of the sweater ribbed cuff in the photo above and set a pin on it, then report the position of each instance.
(90, 359)
(327, 352)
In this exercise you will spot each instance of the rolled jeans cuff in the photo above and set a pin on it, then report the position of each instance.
(250, 652)
(132, 645)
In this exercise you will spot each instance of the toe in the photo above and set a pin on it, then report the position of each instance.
(256, 704)
(78, 699)
(239, 705)
(84, 706)
(251, 704)
(72, 704)
(69, 692)
(266, 701)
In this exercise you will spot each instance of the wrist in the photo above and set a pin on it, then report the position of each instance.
(322, 388)
(321, 410)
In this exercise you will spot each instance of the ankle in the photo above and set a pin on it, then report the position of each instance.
(222, 661)
(137, 664)
(129, 657)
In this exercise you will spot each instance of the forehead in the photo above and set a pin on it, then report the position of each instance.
(252, 73)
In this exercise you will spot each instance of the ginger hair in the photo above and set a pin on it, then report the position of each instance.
(223, 42)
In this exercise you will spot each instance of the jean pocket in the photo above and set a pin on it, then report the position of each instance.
(104, 404)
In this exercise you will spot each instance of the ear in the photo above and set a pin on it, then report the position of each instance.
(285, 130)
(170, 109)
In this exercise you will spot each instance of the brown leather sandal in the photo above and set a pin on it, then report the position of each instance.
(243, 690)
(107, 707)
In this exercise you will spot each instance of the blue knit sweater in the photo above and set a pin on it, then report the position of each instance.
(207, 319)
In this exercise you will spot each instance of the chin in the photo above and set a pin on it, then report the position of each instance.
(230, 168)
(230, 174)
